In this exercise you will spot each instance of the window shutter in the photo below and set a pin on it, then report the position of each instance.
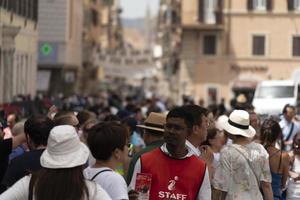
(219, 12)
(269, 5)
(201, 10)
(258, 45)
(209, 45)
(290, 4)
(250, 4)
(296, 46)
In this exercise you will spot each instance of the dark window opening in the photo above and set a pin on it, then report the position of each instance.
(296, 46)
(258, 45)
(209, 44)
(94, 16)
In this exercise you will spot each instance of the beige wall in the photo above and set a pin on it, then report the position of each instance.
(241, 5)
(278, 36)
(199, 72)
(189, 11)
(75, 21)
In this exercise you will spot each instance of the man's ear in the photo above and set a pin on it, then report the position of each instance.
(28, 141)
(117, 153)
(195, 129)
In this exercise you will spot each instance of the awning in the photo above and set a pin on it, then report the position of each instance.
(244, 84)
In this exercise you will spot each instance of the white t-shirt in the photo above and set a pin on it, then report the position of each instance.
(192, 148)
(112, 182)
(20, 191)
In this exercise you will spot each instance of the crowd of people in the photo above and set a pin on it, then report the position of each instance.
(108, 148)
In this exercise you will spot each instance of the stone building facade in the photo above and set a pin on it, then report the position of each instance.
(228, 46)
(18, 47)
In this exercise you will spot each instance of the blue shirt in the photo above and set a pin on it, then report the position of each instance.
(16, 152)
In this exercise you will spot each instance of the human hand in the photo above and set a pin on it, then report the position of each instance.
(297, 178)
(52, 111)
(206, 154)
(133, 195)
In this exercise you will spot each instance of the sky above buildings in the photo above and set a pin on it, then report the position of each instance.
(137, 8)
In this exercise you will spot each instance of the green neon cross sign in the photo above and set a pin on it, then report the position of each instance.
(46, 49)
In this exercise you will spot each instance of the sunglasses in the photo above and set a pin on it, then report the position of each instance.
(130, 146)
(130, 149)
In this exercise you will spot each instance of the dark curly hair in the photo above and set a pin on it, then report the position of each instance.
(270, 132)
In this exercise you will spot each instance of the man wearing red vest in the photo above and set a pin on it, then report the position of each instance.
(176, 172)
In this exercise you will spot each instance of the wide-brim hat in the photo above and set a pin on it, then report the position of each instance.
(155, 121)
(221, 122)
(238, 123)
(64, 149)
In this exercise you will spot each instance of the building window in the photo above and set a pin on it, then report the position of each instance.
(258, 45)
(296, 45)
(95, 19)
(107, 2)
(209, 11)
(212, 95)
(259, 4)
(293, 5)
(296, 4)
(3, 3)
(23, 8)
(35, 10)
(209, 45)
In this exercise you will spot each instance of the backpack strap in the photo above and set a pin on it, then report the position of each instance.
(106, 170)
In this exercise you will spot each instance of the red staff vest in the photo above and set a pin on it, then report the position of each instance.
(173, 178)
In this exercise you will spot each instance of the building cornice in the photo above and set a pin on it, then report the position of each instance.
(204, 27)
(261, 13)
(10, 31)
(265, 59)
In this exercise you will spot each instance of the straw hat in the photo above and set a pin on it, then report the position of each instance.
(155, 121)
(241, 98)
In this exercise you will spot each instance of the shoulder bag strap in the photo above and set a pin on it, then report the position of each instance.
(290, 133)
(253, 171)
(31, 184)
(106, 170)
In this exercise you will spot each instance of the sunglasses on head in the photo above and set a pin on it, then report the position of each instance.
(130, 146)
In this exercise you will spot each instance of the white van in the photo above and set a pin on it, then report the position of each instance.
(271, 96)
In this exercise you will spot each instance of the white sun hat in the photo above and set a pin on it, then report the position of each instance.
(221, 121)
(64, 149)
(239, 124)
